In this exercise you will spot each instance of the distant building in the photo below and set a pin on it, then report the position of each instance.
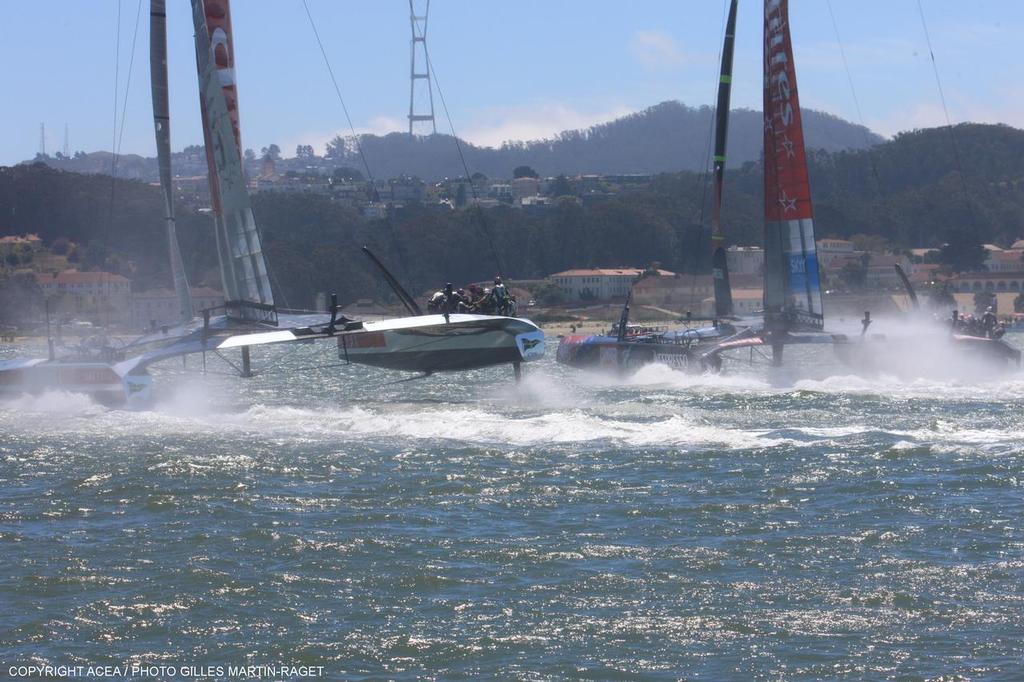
(688, 292)
(524, 187)
(101, 297)
(599, 284)
(502, 191)
(881, 270)
(745, 260)
(974, 282)
(1004, 261)
(159, 307)
(744, 302)
(31, 240)
(830, 250)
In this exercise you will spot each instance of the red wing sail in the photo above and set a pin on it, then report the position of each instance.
(792, 295)
(243, 268)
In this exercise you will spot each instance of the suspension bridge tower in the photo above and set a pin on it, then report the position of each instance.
(419, 69)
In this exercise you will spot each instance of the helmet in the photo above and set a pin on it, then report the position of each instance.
(497, 280)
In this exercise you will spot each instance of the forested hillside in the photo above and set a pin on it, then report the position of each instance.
(665, 138)
(908, 191)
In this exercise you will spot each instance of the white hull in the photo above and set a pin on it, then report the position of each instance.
(105, 383)
(427, 343)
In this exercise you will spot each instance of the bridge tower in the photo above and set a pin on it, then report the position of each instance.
(419, 69)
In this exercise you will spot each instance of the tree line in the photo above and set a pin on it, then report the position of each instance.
(913, 191)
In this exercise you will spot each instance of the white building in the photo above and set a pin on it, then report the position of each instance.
(159, 307)
(598, 284)
(102, 297)
(745, 260)
(831, 250)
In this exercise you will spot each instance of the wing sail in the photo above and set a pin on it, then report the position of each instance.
(719, 262)
(162, 127)
(792, 289)
(243, 268)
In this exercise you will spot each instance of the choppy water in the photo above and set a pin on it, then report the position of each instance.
(574, 526)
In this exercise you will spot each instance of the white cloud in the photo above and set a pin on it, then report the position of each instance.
(1003, 107)
(656, 49)
(491, 127)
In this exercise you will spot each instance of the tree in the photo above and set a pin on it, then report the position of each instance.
(460, 195)
(941, 297)
(854, 276)
(346, 174)
(560, 187)
(870, 242)
(273, 152)
(548, 293)
(20, 298)
(982, 300)
(336, 149)
(524, 172)
(963, 253)
(249, 155)
(61, 246)
(304, 151)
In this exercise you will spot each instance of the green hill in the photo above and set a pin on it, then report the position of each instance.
(907, 190)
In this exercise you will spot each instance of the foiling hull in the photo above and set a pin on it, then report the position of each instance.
(601, 352)
(102, 382)
(427, 343)
(932, 355)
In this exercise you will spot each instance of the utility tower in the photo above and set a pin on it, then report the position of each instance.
(421, 74)
(42, 139)
(67, 147)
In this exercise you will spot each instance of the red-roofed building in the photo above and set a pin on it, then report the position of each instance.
(102, 297)
(599, 284)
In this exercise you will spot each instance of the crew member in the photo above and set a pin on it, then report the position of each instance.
(988, 323)
(499, 297)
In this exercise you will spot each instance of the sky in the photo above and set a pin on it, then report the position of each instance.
(522, 69)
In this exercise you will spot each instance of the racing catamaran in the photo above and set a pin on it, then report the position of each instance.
(630, 347)
(419, 343)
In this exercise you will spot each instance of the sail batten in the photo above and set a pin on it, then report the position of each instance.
(244, 273)
(719, 261)
(162, 128)
(792, 290)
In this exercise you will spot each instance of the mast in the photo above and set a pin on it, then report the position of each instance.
(162, 126)
(243, 269)
(719, 263)
(792, 291)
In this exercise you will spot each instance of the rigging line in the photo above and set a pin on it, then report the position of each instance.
(113, 141)
(945, 111)
(481, 218)
(702, 179)
(853, 91)
(128, 78)
(374, 196)
(337, 91)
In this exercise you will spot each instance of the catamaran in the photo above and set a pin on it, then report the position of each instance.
(631, 346)
(418, 343)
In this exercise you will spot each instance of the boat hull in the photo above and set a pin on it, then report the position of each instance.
(100, 381)
(607, 352)
(938, 355)
(428, 343)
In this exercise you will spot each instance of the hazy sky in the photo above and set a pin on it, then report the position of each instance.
(521, 69)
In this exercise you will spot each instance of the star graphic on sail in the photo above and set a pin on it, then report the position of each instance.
(768, 125)
(788, 203)
(787, 144)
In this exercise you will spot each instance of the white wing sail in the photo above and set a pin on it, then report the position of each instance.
(243, 269)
